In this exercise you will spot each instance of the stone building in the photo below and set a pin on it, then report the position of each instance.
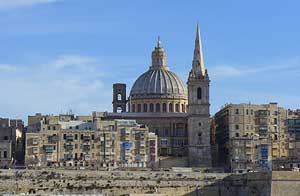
(176, 113)
(11, 142)
(86, 141)
(250, 136)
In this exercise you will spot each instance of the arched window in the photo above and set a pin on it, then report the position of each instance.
(139, 108)
(151, 107)
(199, 93)
(157, 107)
(133, 107)
(177, 107)
(170, 107)
(164, 107)
(145, 107)
(182, 108)
(119, 97)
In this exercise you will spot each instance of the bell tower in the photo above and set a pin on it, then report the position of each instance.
(119, 97)
(198, 109)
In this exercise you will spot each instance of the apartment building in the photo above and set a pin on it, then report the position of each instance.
(250, 136)
(71, 141)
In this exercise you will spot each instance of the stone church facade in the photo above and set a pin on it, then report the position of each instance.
(176, 113)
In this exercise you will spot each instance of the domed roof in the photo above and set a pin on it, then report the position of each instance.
(158, 80)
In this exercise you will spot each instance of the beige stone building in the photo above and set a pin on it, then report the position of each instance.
(86, 141)
(11, 142)
(250, 136)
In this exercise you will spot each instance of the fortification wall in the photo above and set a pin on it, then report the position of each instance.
(168, 183)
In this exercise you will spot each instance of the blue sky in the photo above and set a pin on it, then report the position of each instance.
(57, 55)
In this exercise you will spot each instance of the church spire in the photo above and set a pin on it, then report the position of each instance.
(198, 61)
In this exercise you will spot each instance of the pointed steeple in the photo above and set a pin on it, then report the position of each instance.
(198, 61)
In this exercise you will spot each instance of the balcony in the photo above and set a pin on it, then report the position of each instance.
(86, 138)
(35, 141)
(262, 113)
(86, 147)
(69, 147)
(49, 149)
(69, 137)
(87, 157)
(68, 157)
(35, 150)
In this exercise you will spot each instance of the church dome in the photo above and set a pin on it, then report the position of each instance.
(160, 82)
(158, 89)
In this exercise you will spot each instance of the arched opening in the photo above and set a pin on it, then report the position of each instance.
(145, 107)
(177, 107)
(139, 108)
(170, 107)
(133, 107)
(182, 108)
(157, 107)
(164, 107)
(151, 107)
(199, 93)
(119, 97)
(119, 109)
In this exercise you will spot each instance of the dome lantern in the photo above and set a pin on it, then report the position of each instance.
(159, 57)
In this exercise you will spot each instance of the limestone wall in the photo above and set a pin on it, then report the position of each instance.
(141, 182)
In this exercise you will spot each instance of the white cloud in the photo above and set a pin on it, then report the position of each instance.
(62, 84)
(229, 71)
(83, 62)
(8, 4)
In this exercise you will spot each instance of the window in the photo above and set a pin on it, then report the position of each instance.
(237, 135)
(157, 107)
(93, 137)
(133, 107)
(4, 154)
(76, 136)
(237, 127)
(77, 127)
(156, 131)
(182, 107)
(5, 137)
(164, 141)
(65, 136)
(145, 107)
(151, 107)
(164, 107)
(81, 136)
(170, 107)
(199, 93)
(251, 112)
(76, 146)
(247, 111)
(139, 108)
(119, 97)
(199, 138)
(237, 111)
(177, 107)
